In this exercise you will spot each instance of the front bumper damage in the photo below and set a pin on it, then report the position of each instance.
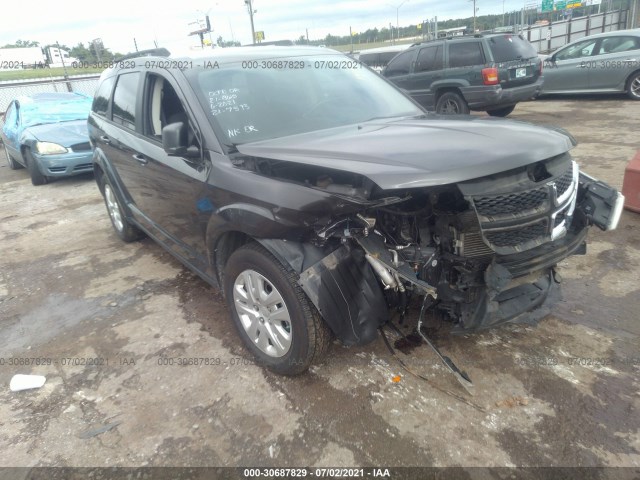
(350, 284)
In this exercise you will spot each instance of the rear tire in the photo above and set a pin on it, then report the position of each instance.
(37, 178)
(125, 229)
(13, 165)
(501, 112)
(451, 103)
(274, 317)
(633, 86)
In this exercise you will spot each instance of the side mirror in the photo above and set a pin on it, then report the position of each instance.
(175, 141)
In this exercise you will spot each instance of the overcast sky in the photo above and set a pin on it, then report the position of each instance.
(118, 22)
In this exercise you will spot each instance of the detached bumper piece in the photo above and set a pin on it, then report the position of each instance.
(601, 203)
(346, 292)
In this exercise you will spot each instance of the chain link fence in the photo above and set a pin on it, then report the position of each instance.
(10, 90)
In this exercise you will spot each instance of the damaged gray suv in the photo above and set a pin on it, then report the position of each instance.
(319, 198)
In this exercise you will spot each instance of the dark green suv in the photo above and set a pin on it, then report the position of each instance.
(482, 72)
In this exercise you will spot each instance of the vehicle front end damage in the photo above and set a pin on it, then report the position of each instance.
(484, 249)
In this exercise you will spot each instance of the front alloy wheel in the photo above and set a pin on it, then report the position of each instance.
(262, 313)
(274, 317)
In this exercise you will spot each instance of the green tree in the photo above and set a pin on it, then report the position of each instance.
(22, 44)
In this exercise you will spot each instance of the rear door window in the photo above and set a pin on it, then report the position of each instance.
(400, 65)
(429, 59)
(102, 97)
(506, 48)
(124, 100)
(465, 54)
(619, 44)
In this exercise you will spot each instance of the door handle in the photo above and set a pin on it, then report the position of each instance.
(141, 158)
(105, 139)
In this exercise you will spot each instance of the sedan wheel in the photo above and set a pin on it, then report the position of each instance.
(37, 178)
(633, 89)
(274, 317)
(13, 165)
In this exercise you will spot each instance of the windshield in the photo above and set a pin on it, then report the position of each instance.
(506, 48)
(252, 100)
(38, 113)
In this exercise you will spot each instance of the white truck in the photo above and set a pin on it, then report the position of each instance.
(15, 58)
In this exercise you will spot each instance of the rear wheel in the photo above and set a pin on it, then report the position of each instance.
(451, 103)
(274, 317)
(501, 112)
(125, 230)
(13, 165)
(37, 178)
(633, 86)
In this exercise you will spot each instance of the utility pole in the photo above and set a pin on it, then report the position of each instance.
(474, 16)
(307, 36)
(251, 12)
(397, 7)
(64, 68)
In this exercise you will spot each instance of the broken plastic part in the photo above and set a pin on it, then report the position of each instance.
(26, 382)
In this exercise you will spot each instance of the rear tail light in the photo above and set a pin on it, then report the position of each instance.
(490, 76)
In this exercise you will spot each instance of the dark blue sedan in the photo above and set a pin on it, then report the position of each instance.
(47, 134)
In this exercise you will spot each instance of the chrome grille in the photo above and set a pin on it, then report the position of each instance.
(513, 222)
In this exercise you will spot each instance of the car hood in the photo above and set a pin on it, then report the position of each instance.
(410, 153)
(62, 133)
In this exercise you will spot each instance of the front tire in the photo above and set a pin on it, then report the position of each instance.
(13, 165)
(451, 103)
(633, 86)
(274, 317)
(37, 178)
(125, 229)
(501, 112)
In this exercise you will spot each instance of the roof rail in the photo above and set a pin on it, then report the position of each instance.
(152, 52)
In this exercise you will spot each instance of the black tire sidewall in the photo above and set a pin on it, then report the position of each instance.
(37, 178)
(501, 112)
(462, 104)
(633, 77)
(296, 359)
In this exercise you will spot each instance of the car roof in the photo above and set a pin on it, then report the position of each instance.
(38, 98)
(391, 48)
(241, 53)
(614, 33)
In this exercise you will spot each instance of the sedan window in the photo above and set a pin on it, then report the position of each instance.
(579, 50)
(619, 44)
(11, 117)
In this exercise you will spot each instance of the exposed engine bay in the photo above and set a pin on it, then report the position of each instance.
(484, 250)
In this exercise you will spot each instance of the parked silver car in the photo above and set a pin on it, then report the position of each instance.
(606, 62)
